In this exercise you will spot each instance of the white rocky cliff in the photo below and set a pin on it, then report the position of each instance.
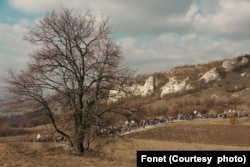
(231, 64)
(137, 90)
(146, 89)
(174, 86)
(211, 75)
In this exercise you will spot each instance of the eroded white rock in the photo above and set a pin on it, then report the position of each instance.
(231, 64)
(137, 90)
(211, 75)
(174, 86)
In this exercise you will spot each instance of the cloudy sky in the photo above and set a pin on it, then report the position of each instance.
(155, 35)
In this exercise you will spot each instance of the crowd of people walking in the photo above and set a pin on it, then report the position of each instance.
(132, 125)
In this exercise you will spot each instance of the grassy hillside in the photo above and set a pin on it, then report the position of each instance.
(231, 91)
(187, 135)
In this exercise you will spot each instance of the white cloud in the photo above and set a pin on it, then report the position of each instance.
(43, 6)
(128, 16)
(11, 62)
(34, 6)
(159, 34)
(169, 50)
(13, 49)
(133, 17)
(230, 21)
(127, 42)
(12, 36)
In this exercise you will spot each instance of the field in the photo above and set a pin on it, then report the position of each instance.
(121, 151)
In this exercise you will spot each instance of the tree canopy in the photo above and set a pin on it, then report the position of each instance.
(77, 63)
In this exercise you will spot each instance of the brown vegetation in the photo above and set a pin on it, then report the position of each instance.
(189, 135)
(7, 130)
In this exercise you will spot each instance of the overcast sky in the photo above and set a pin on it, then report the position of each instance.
(155, 35)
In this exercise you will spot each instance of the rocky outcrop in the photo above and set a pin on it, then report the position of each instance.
(244, 61)
(174, 86)
(211, 75)
(231, 64)
(144, 90)
(137, 90)
(115, 95)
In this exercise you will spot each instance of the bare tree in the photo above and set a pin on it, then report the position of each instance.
(77, 62)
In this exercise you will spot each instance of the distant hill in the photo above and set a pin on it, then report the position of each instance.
(208, 88)
(213, 87)
(22, 113)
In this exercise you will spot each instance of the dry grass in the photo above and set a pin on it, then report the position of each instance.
(196, 135)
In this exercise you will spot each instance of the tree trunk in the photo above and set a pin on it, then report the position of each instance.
(79, 143)
(79, 135)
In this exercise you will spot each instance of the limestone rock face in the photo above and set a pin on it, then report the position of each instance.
(231, 64)
(244, 61)
(211, 75)
(115, 95)
(146, 89)
(137, 90)
(174, 86)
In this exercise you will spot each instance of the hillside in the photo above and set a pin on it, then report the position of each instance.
(213, 87)
(19, 113)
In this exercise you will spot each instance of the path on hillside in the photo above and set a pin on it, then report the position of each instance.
(147, 127)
